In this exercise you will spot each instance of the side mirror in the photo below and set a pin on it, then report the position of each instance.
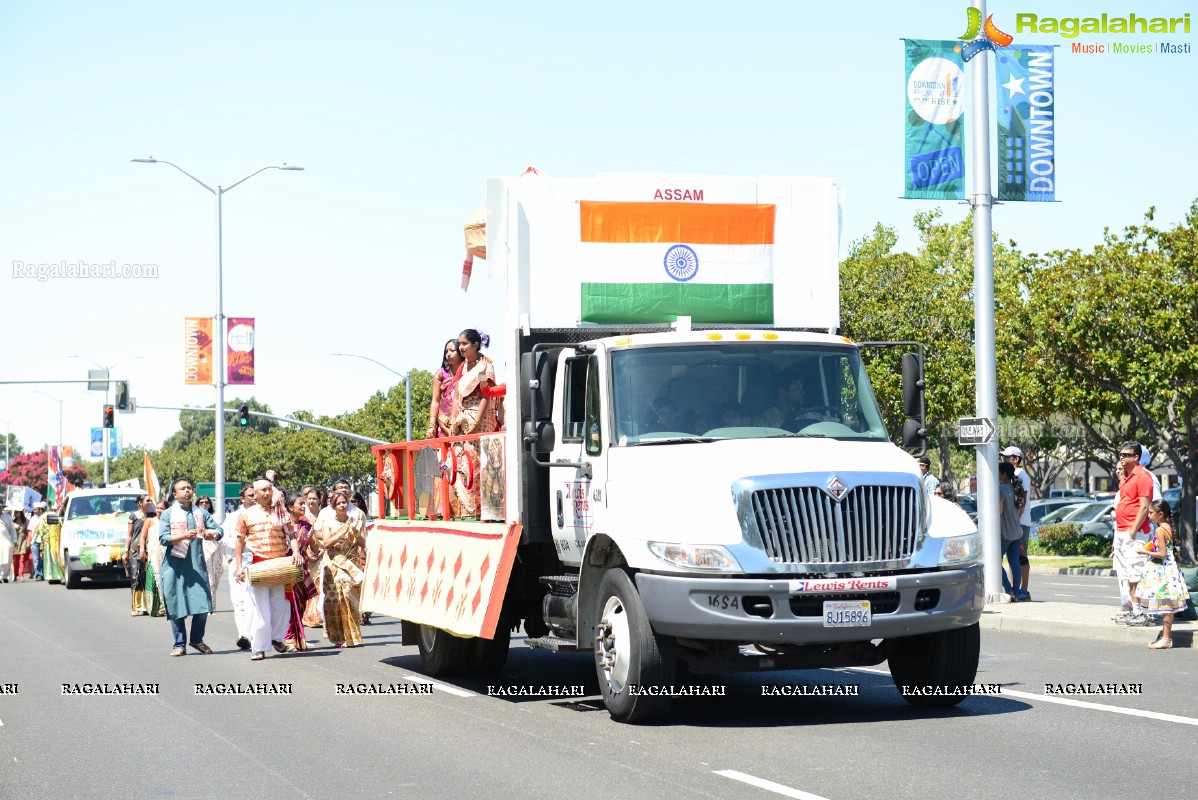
(915, 435)
(539, 437)
(913, 385)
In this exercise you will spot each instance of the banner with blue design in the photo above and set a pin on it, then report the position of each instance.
(1025, 79)
(935, 152)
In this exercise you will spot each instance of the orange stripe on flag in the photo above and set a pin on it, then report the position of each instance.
(692, 223)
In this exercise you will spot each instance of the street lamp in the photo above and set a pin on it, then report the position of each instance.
(407, 385)
(107, 384)
(218, 191)
(60, 402)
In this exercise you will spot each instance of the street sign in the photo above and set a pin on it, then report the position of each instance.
(975, 430)
(97, 380)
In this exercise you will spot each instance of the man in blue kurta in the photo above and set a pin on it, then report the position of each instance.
(184, 576)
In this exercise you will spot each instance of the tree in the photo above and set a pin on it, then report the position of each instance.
(927, 297)
(194, 426)
(32, 470)
(1122, 321)
(14, 447)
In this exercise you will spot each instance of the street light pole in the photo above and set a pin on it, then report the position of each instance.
(219, 192)
(407, 385)
(60, 402)
(7, 437)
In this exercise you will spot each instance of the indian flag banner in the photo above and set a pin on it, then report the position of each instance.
(657, 261)
(648, 248)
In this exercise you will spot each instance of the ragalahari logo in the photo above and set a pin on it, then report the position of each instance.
(979, 37)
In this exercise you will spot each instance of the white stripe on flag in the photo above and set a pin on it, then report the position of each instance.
(645, 263)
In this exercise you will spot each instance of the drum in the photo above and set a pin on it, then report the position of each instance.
(275, 572)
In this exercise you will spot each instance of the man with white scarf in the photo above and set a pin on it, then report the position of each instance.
(261, 530)
(182, 531)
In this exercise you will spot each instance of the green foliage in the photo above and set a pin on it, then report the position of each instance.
(301, 455)
(1118, 333)
(14, 447)
(195, 426)
(1065, 539)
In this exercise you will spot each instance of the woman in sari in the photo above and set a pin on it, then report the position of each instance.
(475, 413)
(342, 537)
(155, 553)
(22, 560)
(298, 594)
(313, 554)
(440, 422)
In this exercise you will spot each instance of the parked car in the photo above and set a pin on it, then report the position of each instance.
(1058, 515)
(969, 502)
(1054, 493)
(1096, 518)
(1040, 508)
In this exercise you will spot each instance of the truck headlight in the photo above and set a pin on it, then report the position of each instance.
(961, 549)
(695, 556)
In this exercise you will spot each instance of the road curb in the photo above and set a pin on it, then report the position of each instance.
(1073, 571)
(997, 621)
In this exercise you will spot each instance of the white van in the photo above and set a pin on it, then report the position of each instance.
(95, 525)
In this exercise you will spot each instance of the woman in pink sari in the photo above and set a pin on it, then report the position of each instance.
(440, 419)
(298, 594)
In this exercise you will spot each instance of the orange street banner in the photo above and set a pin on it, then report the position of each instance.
(197, 351)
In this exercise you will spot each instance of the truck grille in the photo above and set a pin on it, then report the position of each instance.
(804, 525)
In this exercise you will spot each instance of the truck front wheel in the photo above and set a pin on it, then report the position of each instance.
(442, 653)
(70, 578)
(633, 662)
(933, 670)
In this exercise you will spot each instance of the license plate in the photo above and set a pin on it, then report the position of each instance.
(846, 613)
(102, 555)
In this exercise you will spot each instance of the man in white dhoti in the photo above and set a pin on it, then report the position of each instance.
(262, 532)
(239, 592)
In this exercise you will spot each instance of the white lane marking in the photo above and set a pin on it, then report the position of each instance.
(1131, 712)
(769, 786)
(1065, 701)
(441, 686)
(1058, 594)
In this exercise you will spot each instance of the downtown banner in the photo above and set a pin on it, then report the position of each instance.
(1025, 83)
(239, 357)
(197, 351)
(934, 158)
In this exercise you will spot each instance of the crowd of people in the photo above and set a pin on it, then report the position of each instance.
(21, 538)
(295, 561)
(1144, 553)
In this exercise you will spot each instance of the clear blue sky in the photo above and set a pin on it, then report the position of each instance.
(399, 111)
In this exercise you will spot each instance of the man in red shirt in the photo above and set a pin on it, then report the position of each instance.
(1131, 520)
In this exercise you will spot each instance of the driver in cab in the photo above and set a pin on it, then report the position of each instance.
(790, 409)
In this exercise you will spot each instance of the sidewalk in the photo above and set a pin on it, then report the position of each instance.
(1076, 621)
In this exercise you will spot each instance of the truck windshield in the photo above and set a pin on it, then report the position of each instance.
(742, 390)
(101, 504)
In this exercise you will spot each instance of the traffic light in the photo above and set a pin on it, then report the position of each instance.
(243, 415)
(109, 413)
(122, 395)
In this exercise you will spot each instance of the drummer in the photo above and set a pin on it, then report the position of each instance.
(261, 531)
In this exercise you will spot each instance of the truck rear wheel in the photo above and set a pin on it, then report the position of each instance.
(489, 655)
(629, 656)
(442, 653)
(945, 660)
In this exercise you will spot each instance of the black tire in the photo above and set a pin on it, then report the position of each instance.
(628, 653)
(489, 655)
(70, 578)
(946, 659)
(442, 653)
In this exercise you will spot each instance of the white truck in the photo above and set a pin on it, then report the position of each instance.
(691, 474)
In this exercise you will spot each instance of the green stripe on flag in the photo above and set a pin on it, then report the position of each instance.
(638, 303)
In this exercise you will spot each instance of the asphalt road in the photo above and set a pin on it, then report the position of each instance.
(459, 742)
(1095, 590)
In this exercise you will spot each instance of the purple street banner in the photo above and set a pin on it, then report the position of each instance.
(240, 351)
(935, 121)
(1025, 79)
